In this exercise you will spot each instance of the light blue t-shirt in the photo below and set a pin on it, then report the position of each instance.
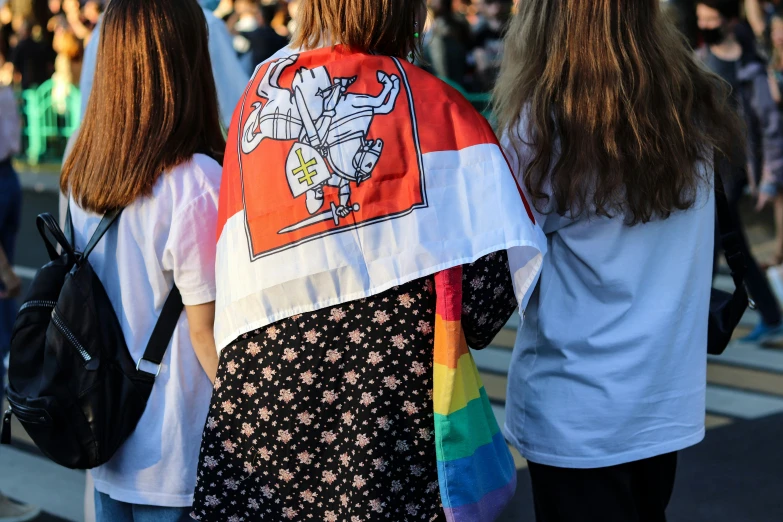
(610, 363)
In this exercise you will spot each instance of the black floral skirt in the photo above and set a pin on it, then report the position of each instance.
(327, 417)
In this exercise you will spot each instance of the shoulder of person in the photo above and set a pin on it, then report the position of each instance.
(191, 180)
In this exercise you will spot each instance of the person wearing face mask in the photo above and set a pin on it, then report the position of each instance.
(729, 51)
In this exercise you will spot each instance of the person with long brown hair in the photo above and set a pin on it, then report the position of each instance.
(370, 231)
(147, 144)
(611, 126)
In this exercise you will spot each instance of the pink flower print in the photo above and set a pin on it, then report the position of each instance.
(406, 300)
(228, 407)
(289, 513)
(253, 504)
(231, 367)
(352, 377)
(396, 486)
(384, 423)
(286, 396)
(418, 368)
(211, 423)
(286, 475)
(359, 482)
(391, 382)
(253, 349)
(376, 505)
(307, 377)
(212, 501)
(428, 287)
(289, 354)
(330, 516)
(229, 446)
(308, 496)
(249, 389)
(424, 328)
(312, 336)
(367, 399)
(272, 332)
(347, 418)
(345, 459)
(333, 356)
(362, 440)
(328, 437)
(268, 373)
(374, 358)
(425, 434)
(412, 509)
(305, 418)
(231, 484)
(355, 336)
(399, 341)
(247, 429)
(284, 436)
(211, 462)
(381, 317)
(380, 464)
(344, 500)
(305, 457)
(218, 383)
(264, 413)
(328, 477)
(477, 283)
(410, 408)
(249, 469)
(265, 454)
(267, 492)
(329, 397)
(402, 446)
(337, 315)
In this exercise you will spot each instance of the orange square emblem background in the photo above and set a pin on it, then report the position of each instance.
(328, 142)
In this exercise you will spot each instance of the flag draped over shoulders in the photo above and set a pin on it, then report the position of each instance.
(347, 174)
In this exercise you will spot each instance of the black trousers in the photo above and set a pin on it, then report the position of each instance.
(634, 492)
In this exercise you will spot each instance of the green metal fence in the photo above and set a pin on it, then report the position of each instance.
(51, 114)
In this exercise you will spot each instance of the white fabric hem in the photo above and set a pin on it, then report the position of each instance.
(577, 462)
(537, 261)
(142, 497)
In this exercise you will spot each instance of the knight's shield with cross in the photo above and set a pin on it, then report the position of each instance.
(305, 169)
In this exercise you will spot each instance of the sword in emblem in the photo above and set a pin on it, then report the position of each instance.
(329, 215)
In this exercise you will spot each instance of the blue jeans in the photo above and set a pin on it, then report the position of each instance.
(10, 215)
(110, 510)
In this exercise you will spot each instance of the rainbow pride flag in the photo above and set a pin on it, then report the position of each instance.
(475, 468)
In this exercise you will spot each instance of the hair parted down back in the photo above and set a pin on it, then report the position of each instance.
(617, 111)
(386, 27)
(153, 104)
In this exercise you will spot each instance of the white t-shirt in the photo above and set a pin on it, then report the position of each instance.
(610, 364)
(166, 238)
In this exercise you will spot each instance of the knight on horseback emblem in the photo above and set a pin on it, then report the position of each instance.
(330, 126)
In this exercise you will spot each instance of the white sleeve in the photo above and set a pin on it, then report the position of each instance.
(190, 249)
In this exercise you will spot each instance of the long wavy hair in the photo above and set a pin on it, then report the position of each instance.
(611, 108)
(153, 105)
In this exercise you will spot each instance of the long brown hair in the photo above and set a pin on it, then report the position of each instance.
(614, 109)
(153, 104)
(386, 27)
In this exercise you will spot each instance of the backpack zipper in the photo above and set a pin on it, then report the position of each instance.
(69, 335)
(38, 304)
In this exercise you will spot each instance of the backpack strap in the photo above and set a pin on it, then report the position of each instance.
(163, 332)
(108, 220)
(729, 233)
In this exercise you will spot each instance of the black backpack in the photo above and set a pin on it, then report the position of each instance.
(72, 382)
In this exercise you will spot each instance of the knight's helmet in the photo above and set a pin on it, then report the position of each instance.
(366, 159)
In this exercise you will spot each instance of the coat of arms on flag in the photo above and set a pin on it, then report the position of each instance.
(326, 146)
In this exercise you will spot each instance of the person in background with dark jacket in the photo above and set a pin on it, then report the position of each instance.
(447, 42)
(729, 51)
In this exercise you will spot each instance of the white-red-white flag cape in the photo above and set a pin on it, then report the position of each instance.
(347, 174)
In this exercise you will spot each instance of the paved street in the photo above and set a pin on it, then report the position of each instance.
(735, 476)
